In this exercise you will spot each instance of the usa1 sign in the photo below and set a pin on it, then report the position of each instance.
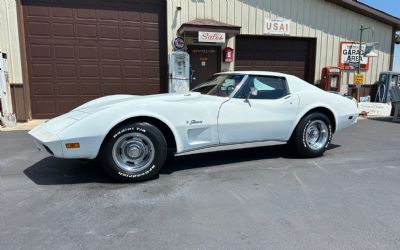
(349, 56)
(277, 27)
(211, 37)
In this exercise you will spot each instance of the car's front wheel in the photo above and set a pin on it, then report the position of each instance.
(312, 135)
(134, 152)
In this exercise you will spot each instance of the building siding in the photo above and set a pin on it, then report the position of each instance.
(328, 22)
(9, 39)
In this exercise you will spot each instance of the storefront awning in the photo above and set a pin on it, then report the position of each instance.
(208, 25)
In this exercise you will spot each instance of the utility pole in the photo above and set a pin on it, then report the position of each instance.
(362, 28)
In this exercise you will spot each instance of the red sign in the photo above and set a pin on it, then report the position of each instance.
(277, 27)
(349, 53)
(179, 43)
(211, 37)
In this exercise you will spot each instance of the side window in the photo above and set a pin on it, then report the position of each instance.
(268, 87)
(227, 86)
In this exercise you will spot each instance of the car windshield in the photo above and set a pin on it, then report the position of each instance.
(219, 85)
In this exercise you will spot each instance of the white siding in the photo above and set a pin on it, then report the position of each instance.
(9, 40)
(328, 22)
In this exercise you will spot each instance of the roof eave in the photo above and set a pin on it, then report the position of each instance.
(369, 11)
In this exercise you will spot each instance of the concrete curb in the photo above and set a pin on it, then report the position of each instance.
(23, 126)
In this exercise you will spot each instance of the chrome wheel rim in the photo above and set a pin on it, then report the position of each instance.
(317, 134)
(133, 152)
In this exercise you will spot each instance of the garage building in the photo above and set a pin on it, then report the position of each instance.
(310, 39)
(63, 53)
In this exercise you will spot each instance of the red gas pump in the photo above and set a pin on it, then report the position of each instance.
(330, 78)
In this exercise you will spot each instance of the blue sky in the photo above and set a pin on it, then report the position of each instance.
(392, 7)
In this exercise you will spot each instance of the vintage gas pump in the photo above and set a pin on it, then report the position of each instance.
(7, 118)
(330, 79)
(3, 84)
(179, 77)
(387, 81)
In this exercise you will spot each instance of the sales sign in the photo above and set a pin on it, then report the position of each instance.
(211, 37)
(277, 27)
(349, 56)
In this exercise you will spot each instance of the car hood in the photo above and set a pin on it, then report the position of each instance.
(109, 101)
(58, 124)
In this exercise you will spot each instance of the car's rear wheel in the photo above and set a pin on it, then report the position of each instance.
(134, 152)
(312, 135)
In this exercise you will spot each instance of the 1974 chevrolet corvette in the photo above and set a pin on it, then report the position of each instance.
(131, 135)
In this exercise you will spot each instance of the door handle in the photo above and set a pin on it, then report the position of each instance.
(287, 97)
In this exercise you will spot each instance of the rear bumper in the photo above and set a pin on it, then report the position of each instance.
(346, 121)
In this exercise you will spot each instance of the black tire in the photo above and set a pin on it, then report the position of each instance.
(299, 138)
(144, 139)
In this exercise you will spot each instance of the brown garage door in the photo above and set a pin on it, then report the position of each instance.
(279, 54)
(80, 50)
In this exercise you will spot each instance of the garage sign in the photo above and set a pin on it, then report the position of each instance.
(349, 56)
(277, 27)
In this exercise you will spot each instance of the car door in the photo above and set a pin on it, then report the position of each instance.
(262, 110)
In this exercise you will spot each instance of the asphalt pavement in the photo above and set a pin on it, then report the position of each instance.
(260, 198)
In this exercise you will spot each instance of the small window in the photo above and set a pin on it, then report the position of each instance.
(268, 87)
(394, 81)
(383, 78)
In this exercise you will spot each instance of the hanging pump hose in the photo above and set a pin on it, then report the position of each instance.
(380, 94)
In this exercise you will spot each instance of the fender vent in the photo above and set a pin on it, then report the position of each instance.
(48, 150)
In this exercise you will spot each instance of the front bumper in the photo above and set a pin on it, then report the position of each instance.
(46, 141)
(53, 143)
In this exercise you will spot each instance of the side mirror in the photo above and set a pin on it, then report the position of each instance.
(253, 92)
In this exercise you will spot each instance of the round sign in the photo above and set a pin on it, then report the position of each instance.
(179, 43)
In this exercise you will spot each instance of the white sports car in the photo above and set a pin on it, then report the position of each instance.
(131, 135)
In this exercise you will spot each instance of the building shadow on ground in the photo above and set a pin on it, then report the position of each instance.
(53, 171)
(383, 119)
